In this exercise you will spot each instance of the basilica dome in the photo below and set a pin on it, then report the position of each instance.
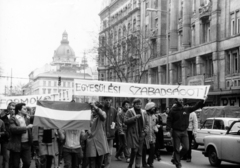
(64, 53)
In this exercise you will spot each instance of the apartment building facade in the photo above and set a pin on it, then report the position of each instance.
(197, 43)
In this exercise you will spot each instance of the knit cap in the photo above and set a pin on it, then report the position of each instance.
(150, 105)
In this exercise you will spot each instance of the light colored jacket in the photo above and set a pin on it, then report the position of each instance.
(193, 122)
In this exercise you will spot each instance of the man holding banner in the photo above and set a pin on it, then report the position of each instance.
(177, 122)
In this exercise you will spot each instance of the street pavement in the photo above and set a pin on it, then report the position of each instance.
(198, 161)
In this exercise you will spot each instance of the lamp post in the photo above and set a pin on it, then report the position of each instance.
(167, 47)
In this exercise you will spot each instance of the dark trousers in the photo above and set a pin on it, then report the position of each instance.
(96, 162)
(151, 154)
(70, 157)
(122, 146)
(46, 161)
(136, 153)
(179, 138)
(5, 155)
(190, 138)
(24, 154)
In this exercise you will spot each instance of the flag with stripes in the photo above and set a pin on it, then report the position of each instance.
(62, 115)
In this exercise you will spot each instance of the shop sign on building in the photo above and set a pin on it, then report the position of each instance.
(230, 101)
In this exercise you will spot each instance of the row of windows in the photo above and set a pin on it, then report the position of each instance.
(55, 83)
(51, 91)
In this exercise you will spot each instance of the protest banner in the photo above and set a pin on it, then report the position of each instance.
(29, 100)
(117, 89)
(62, 115)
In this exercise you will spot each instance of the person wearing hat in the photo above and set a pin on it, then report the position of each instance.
(110, 127)
(137, 126)
(150, 139)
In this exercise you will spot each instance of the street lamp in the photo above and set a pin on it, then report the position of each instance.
(167, 47)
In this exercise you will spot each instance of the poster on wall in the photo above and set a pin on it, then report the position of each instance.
(118, 89)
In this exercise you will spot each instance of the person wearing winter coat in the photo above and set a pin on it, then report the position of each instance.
(137, 126)
(150, 139)
(97, 146)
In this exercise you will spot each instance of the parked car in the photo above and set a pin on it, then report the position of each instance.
(212, 126)
(225, 147)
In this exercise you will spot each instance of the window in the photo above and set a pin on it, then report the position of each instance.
(206, 31)
(69, 84)
(180, 40)
(218, 124)
(179, 72)
(124, 31)
(64, 84)
(49, 91)
(154, 48)
(55, 83)
(156, 4)
(232, 62)
(146, 30)
(44, 91)
(209, 66)
(232, 24)
(134, 24)
(156, 23)
(208, 124)
(235, 63)
(129, 27)
(192, 68)
(146, 6)
(193, 36)
(238, 22)
(119, 34)
(49, 83)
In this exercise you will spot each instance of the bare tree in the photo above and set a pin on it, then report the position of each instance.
(129, 57)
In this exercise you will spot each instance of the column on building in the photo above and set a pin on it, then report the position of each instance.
(161, 74)
(184, 72)
(198, 24)
(199, 65)
(187, 12)
(172, 74)
(215, 25)
(216, 74)
(174, 26)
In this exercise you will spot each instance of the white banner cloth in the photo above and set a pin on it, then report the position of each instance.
(30, 100)
(117, 89)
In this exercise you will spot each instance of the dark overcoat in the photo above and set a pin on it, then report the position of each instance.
(16, 132)
(97, 142)
(132, 134)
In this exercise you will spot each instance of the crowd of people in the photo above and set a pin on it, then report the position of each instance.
(139, 133)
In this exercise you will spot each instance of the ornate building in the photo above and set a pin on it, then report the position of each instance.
(197, 42)
(45, 80)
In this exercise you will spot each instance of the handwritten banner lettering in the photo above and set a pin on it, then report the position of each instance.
(117, 89)
(30, 100)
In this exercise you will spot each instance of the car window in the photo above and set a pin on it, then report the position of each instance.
(218, 124)
(235, 129)
(230, 122)
(208, 124)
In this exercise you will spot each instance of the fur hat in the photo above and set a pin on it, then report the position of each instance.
(150, 105)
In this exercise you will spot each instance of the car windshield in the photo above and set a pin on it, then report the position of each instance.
(235, 128)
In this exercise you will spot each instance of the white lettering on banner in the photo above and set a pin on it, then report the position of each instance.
(117, 89)
(30, 100)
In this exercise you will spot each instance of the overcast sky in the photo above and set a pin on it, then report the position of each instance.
(30, 31)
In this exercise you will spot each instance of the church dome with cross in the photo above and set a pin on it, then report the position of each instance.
(64, 55)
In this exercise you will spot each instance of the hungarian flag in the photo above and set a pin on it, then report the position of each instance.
(62, 115)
